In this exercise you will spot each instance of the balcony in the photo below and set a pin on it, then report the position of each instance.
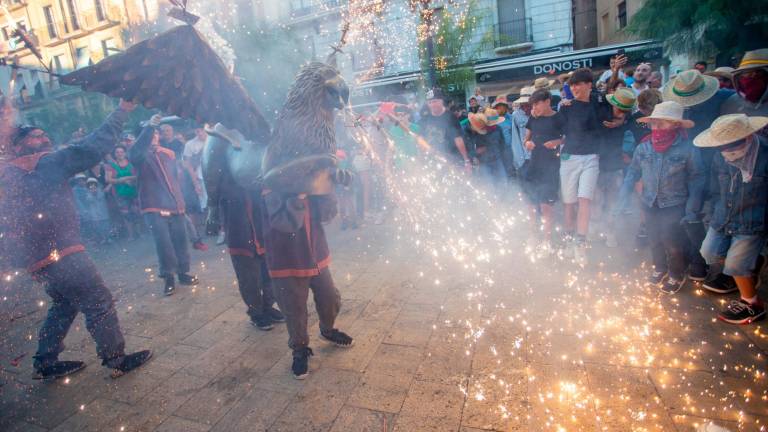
(512, 37)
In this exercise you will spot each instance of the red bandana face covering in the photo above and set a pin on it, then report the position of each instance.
(752, 88)
(662, 139)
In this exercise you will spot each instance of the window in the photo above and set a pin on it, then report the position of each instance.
(604, 23)
(48, 12)
(73, 15)
(83, 57)
(99, 10)
(6, 33)
(58, 63)
(108, 47)
(622, 14)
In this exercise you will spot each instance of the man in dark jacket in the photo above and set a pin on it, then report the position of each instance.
(40, 232)
(162, 204)
(739, 224)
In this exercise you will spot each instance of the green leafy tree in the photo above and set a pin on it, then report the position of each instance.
(703, 27)
(456, 45)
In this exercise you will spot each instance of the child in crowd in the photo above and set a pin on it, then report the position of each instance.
(94, 216)
(544, 133)
(673, 181)
(737, 229)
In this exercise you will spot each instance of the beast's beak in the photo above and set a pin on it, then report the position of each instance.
(339, 88)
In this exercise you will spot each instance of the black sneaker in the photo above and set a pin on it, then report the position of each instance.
(188, 279)
(698, 272)
(275, 315)
(58, 370)
(742, 312)
(300, 365)
(170, 285)
(672, 284)
(131, 362)
(262, 322)
(720, 284)
(656, 277)
(338, 338)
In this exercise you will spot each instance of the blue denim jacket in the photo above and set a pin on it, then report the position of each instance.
(669, 179)
(740, 208)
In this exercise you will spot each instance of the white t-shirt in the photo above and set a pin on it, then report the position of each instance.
(193, 147)
(607, 75)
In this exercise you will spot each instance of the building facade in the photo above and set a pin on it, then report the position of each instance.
(69, 34)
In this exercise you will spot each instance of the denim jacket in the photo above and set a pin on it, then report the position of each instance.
(740, 208)
(670, 179)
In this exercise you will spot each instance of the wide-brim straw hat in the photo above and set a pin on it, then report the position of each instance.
(728, 129)
(480, 122)
(670, 111)
(499, 101)
(541, 83)
(525, 95)
(690, 88)
(722, 72)
(753, 60)
(623, 99)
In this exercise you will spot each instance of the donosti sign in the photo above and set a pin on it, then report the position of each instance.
(562, 67)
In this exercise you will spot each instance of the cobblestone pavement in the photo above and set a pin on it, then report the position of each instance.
(547, 347)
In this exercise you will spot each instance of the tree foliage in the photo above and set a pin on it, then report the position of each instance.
(703, 27)
(459, 40)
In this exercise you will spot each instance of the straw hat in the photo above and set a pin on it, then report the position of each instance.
(729, 128)
(623, 99)
(691, 88)
(541, 83)
(670, 111)
(722, 72)
(481, 121)
(753, 60)
(525, 95)
(499, 101)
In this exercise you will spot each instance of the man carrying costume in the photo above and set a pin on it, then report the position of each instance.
(39, 231)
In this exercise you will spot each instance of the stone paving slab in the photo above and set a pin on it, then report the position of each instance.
(428, 356)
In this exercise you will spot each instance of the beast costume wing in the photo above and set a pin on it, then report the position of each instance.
(178, 73)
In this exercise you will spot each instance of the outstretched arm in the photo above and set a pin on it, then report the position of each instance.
(63, 164)
(139, 150)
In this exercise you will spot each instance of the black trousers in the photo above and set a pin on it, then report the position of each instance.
(254, 283)
(292, 294)
(170, 234)
(75, 285)
(667, 239)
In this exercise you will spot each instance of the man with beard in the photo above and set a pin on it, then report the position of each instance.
(40, 232)
(641, 75)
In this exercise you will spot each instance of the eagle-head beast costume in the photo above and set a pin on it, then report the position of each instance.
(274, 208)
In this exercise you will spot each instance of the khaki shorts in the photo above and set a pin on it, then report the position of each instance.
(578, 177)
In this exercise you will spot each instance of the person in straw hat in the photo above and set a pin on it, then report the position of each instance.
(488, 142)
(702, 97)
(501, 105)
(621, 102)
(519, 119)
(724, 75)
(740, 211)
(750, 80)
(672, 179)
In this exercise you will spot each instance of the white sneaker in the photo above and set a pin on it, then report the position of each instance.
(221, 238)
(580, 254)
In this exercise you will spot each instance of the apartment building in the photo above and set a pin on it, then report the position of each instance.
(69, 34)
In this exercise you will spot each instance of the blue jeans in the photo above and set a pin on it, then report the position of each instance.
(75, 285)
(741, 255)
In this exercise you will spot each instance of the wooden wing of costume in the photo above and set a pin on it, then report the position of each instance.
(178, 73)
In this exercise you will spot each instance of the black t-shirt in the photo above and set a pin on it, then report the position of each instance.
(581, 126)
(440, 132)
(544, 129)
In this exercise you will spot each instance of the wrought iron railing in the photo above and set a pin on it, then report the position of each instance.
(512, 32)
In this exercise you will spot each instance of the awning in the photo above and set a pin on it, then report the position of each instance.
(554, 64)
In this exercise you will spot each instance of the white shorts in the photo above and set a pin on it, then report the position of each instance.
(578, 177)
